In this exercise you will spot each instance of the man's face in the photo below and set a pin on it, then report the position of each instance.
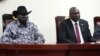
(75, 14)
(22, 19)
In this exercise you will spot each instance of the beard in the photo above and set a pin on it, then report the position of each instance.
(23, 22)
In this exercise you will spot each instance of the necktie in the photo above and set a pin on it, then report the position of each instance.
(77, 33)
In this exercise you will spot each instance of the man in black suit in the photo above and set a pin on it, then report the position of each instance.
(74, 29)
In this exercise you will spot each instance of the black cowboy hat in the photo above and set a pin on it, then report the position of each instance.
(22, 10)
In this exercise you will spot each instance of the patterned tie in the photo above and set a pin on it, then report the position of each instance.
(77, 33)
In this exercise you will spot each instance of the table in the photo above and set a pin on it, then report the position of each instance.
(50, 50)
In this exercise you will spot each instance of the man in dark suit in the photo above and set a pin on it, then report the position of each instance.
(96, 34)
(74, 29)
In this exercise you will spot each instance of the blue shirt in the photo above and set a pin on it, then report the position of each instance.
(15, 33)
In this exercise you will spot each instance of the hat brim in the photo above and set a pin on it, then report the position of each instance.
(23, 13)
(29, 12)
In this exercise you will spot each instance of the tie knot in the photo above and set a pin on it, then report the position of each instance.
(75, 23)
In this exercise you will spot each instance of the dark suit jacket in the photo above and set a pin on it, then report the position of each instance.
(96, 34)
(67, 34)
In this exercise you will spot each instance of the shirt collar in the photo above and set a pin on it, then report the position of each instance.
(74, 22)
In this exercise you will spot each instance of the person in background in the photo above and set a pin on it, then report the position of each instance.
(96, 34)
(74, 29)
(21, 31)
(14, 14)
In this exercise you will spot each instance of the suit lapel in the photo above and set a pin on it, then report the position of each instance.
(70, 25)
(81, 25)
(82, 28)
(71, 29)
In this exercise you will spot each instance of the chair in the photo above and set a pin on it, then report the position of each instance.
(58, 20)
(7, 18)
(96, 34)
(96, 21)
